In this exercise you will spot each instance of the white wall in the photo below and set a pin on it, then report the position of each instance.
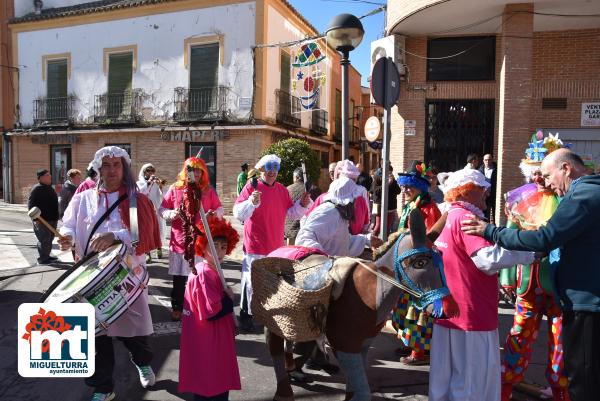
(23, 7)
(160, 67)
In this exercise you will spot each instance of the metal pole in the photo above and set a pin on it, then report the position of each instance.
(385, 160)
(345, 104)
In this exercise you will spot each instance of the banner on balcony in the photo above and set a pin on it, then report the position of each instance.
(309, 74)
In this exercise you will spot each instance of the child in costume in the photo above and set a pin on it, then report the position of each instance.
(415, 329)
(529, 207)
(207, 363)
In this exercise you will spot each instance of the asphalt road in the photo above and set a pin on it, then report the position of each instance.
(22, 281)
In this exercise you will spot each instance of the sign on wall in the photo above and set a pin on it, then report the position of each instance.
(590, 114)
(410, 127)
(309, 74)
(195, 135)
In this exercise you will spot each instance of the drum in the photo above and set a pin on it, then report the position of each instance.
(108, 280)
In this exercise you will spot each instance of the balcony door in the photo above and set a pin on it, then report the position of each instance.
(203, 97)
(119, 96)
(56, 90)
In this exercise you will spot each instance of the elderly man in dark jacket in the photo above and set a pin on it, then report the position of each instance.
(573, 229)
(44, 197)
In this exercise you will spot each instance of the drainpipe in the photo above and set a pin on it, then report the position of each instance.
(7, 168)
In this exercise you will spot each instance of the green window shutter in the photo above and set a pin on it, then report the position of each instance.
(284, 83)
(204, 66)
(56, 79)
(120, 70)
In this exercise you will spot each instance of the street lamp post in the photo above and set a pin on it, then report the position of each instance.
(344, 34)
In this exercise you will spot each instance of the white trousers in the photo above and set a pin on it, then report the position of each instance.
(246, 282)
(465, 365)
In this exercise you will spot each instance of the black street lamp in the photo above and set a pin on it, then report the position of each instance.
(344, 34)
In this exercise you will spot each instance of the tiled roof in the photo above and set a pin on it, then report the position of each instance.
(85, 8)
(111, 5)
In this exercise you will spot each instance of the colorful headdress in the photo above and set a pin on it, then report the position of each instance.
(193, 162)
(219, 228)
(267, 159)
(417, 176)
(538, 149)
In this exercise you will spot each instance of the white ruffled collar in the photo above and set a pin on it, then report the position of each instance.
(470, 207)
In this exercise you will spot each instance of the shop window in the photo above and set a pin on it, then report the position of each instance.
(60, 163)
(477, 62)
(125, 146)
(206, 152)
(324, 159)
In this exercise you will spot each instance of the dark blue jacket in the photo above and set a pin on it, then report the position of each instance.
(575, 228)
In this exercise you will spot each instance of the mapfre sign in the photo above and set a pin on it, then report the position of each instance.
(590, 114)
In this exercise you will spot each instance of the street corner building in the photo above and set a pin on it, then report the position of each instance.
(484, 80)
(163, 79)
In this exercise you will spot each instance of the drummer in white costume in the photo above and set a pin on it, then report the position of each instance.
(82, 214)
(151, 186)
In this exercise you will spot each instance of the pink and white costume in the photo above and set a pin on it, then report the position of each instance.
(263, 226)
(168, 210)
(207, 359)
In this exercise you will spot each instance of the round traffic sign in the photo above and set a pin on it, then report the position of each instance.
(385, 82)
(372, 129)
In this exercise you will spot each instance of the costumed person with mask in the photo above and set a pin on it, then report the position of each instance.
(180, 206)
(465, 361)
(263, 206)
(151, 186)
(361, 217)
(88, 211)
(414, 330)
(528, 208)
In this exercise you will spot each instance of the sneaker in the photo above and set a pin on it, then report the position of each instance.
(147, 377)
(159, 254)
(45, 261)
(53, 258)
(103, 396)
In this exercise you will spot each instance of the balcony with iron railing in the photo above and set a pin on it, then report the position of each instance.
(288, 108)
(58, 111)
(354, 135)
(337, 134)
(201, 104)
(118, 108)
(318, 124)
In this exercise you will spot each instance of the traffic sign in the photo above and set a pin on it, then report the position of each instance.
(372, 129)
(385, 82)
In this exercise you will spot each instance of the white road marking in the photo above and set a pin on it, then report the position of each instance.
(12, 257)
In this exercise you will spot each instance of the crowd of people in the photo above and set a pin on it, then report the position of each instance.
(542, 256)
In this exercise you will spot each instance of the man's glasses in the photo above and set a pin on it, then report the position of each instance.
(272, 166)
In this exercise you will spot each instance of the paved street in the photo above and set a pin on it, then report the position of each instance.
(22, 281)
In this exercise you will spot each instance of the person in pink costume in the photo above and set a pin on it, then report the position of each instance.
(362, 215)
(170, 210)
(90, 181)
(263, 206)
(208, 365)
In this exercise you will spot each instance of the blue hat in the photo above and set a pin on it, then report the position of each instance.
(415, 177)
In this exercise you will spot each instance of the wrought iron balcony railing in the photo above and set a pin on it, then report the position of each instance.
(338, 130)
(118, 108)
(57, 111)
(354, 135)
(288, 108)
(318, 123)
(201, 104)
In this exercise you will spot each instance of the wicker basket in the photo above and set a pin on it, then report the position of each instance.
(291, 312)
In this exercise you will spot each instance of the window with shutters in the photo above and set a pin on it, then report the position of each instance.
(284, 83)
(203, 96)
(56, 89)
(119, 96)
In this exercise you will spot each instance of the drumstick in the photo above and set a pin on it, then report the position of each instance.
(36, 214)
(304, 176)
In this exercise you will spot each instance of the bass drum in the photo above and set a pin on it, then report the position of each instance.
(108, 280)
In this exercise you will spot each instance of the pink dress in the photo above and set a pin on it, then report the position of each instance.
(172, 200)
(85, 185)
(207, 359)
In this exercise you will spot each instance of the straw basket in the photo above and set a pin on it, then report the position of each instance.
(288, 311)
